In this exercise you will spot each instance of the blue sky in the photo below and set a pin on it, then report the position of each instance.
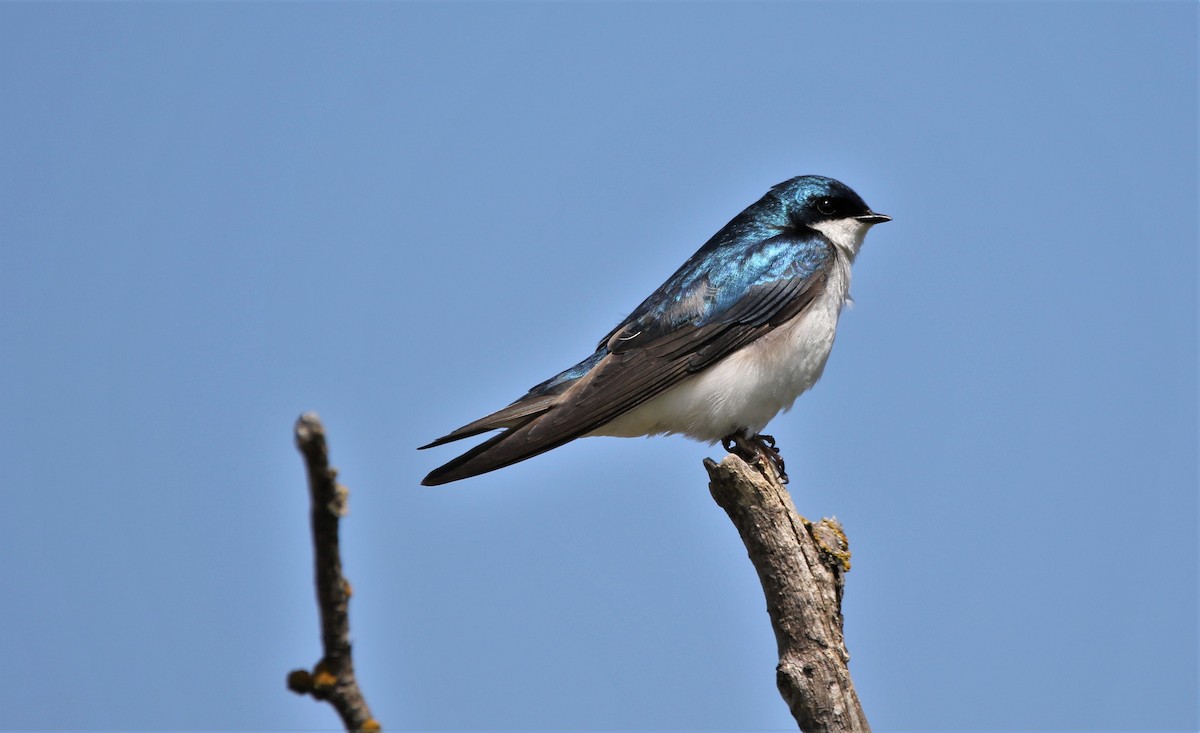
(216, 216)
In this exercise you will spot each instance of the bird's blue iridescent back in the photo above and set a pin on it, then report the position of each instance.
(758, 246)
(761, 245)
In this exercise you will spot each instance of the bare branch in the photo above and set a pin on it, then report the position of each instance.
(332, 679)
(802, 569)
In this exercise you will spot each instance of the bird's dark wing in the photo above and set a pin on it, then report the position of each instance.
(708, 309)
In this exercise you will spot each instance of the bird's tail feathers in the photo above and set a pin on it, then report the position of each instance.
(512, 446)
(515, 415)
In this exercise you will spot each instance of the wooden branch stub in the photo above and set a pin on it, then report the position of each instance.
(802, 567)
(332, 679)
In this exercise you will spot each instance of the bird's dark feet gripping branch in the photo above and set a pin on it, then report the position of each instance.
(756, 449)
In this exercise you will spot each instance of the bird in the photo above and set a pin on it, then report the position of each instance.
(733, 337)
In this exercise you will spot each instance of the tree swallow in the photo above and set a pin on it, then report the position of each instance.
(740, 331)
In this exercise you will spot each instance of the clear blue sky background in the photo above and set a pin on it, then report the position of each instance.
(216, 216)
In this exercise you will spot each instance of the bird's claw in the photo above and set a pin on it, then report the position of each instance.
(759, 449)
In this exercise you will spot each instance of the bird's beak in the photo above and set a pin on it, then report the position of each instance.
(873, 218)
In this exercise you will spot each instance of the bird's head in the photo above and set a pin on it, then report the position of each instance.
(829, 207)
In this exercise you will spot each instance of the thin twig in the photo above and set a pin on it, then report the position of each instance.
(332, 679)
(802, 569)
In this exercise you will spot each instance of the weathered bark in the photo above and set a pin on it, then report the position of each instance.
(332, 679)
(802, 567)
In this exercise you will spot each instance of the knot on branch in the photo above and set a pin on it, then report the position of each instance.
(831, 540)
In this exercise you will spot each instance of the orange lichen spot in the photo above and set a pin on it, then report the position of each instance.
(371, 726)
(323, 679)
(831, 539)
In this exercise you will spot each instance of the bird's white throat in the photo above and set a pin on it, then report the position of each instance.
(846, 234)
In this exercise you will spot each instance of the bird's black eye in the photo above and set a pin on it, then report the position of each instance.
(826, 206)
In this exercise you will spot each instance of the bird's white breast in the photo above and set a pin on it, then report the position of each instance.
(752, 385)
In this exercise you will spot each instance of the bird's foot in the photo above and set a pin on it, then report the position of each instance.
(756, 449)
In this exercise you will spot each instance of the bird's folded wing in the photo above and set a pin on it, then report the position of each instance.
(645, 366)
(646, 358)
